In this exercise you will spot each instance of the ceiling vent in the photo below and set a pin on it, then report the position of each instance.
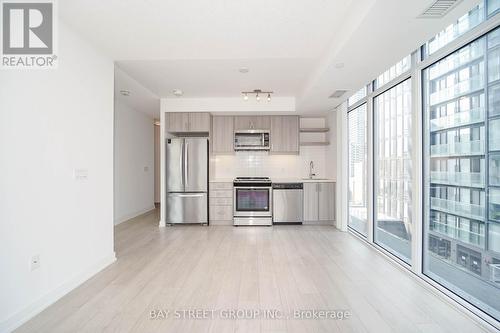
(439, 8)
(337, 94)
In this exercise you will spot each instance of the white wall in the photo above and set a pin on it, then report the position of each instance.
(342, 180)
(51, 123)
(157, 164)
(134, 163)
(331, 152)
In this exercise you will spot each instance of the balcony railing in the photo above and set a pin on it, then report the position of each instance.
(470, 179)
(452, 231)
(446, 94)
(472, 211)
(475, 147)
(458, 119)
(494, 142)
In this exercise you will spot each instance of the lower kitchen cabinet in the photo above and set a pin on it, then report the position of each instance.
(220, 203)
(319, 202)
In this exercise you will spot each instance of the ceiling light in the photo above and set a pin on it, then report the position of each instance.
(125, 92)
(243, 70)
(178, 92)
(257, 93)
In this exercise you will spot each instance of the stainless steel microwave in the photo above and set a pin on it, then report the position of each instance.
(252, 140)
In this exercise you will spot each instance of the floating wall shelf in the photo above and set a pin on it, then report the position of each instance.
(314, 130)
(318, 143)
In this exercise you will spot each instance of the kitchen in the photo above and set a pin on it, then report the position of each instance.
(241, 170)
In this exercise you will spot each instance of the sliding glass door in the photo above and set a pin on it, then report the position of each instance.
(462, 172)
(393, 170)
(357, 171)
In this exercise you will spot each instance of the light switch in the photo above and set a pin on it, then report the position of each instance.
(81, 174)
(35, 262)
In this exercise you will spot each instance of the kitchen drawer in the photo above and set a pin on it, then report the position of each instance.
(222, 213)
(221, 186)
(221, 194)
(221, 201)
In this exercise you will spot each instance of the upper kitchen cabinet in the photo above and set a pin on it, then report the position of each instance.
(252, 122)
(222, 134)
(199, 122)
(188, 122)
(177, 122)
(285, 134)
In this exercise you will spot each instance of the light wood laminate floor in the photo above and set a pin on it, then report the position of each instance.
(285, 268)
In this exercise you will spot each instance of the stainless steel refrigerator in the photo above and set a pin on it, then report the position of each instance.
(187, 180)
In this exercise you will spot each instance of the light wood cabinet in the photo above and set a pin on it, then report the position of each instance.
(199, 122)
(222, 134)
(319, 202)
(285, 134)
(177, 122)
(252, 122)
(326, 201)
(186, 122)
(311, 211)
(221, 203)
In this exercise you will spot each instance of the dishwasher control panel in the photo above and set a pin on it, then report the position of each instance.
(288, 186)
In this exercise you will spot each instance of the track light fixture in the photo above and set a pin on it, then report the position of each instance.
(257, 93)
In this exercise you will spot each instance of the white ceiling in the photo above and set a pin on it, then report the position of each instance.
(289, 46)
(220, 77)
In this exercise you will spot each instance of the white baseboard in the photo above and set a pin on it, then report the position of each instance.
(51, 297)
(134, 214)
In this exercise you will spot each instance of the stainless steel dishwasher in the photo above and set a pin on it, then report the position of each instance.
(288, 204)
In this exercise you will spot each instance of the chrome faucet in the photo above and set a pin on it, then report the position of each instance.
(311, 170)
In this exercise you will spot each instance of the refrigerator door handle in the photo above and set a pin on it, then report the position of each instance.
(187, 195)
(186, 163)
(180, 164)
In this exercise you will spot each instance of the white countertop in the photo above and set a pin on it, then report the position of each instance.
(280, 180)
(221, 180)
(301, 180)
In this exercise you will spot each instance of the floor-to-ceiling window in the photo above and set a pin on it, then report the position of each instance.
(462, 172)
(393, 170)
(448, 89)
(357, 171)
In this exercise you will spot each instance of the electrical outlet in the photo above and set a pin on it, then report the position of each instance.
(146, 169)
(35, 262)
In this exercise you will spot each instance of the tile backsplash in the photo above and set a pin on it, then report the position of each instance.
(248, 163)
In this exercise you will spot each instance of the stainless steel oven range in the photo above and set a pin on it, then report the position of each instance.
(253, 201)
